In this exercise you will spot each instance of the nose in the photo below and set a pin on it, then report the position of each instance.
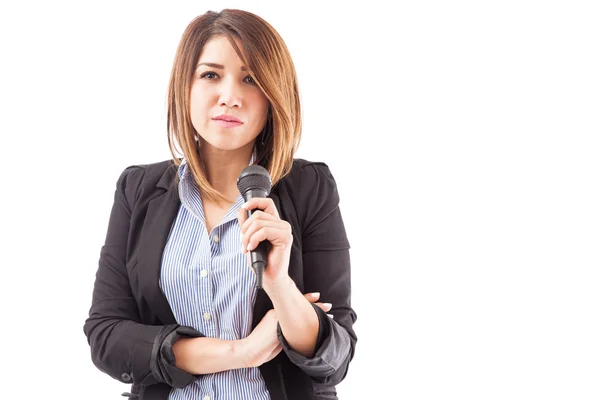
(231, 94)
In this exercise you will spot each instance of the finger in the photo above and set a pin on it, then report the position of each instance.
(248, 257)
(264, 203)
(241, 215)
(275, 235)
(312, 297)
(324, 306)
(258, 215)
(257, 226)
(278, 233)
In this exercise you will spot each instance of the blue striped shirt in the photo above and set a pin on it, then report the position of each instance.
(210, 287)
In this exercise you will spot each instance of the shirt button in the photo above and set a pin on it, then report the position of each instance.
(204, 273)
(216, 238)
(125, 377)
(206, 316)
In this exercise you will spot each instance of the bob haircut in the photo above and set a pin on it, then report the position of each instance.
(269, 63)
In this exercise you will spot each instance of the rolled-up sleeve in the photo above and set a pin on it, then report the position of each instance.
(326, 263)
(121, 346)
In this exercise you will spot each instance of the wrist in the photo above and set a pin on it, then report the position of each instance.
(279, 286)
(240, 354)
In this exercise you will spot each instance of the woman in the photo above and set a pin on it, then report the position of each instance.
(175, 309)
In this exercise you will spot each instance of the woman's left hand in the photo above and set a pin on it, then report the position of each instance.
(265, 224)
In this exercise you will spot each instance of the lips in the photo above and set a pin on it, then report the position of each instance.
(227, 118)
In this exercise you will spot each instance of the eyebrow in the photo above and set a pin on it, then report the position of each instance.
(217, 66)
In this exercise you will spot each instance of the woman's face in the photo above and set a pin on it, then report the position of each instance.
(228, 110)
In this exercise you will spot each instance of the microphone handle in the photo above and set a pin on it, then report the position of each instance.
(258, 256)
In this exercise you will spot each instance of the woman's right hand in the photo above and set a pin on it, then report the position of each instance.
(262, 345)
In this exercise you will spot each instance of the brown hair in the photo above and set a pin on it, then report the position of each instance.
(270, 65)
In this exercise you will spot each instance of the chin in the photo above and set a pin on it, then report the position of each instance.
(225, 143)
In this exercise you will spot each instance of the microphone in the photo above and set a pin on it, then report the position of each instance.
(255, 181)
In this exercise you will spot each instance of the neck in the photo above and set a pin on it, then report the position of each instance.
(223, 167)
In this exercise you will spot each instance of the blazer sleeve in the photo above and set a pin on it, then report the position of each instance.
(326, 263)
(120, 344)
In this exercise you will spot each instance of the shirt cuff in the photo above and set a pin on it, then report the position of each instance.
(164, 364)
(333, 344)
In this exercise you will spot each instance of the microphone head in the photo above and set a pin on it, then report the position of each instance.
(254, 177)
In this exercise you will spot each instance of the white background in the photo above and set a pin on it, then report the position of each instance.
(464, 139)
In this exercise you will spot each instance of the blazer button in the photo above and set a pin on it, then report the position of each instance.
(125, 377)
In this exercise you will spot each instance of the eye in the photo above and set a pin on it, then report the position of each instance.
(249, 79)
(209, 75)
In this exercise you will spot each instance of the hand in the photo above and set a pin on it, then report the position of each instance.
(265, 224)
(313, 297)
(262, 345)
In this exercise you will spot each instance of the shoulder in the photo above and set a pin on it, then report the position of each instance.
(310, 174)
(137, 178)
(134, 174)
(312, 189)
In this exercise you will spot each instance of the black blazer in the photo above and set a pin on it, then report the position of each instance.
(131, 327)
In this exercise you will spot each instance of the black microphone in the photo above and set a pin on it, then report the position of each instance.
(255, 181)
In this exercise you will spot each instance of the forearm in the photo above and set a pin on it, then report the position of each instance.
(297, 317)
(205, 355)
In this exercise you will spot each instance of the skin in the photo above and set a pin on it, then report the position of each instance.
(221, 86)
(227, 90)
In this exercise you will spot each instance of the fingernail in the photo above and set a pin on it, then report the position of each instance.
(330, 316)
(327, 305)
(248, 248)
(315, 294)
(245, 205)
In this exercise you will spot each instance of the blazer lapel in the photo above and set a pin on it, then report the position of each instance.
(160, 215)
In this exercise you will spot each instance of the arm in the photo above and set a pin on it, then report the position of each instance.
(121, 345)
(326, 262)
(207, 355)
(297, 317)
(304, 332)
